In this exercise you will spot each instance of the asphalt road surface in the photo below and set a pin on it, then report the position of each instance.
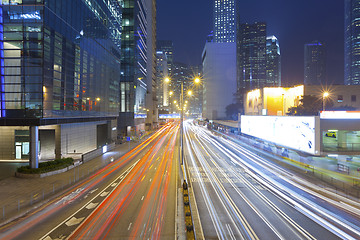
(241, 195)
(134, 197)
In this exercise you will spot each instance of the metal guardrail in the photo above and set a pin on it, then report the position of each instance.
(336, 147)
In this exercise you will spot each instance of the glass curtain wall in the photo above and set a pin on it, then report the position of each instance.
(60, 58)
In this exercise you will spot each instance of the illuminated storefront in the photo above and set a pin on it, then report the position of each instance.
(272, 101)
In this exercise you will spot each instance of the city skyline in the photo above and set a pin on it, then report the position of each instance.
(294, 24)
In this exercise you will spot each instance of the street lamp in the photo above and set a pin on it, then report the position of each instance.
(325, 95)
(196, 81)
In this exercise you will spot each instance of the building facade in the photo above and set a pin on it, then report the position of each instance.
(225, 20)
(273, 62)
(138, 65)
(219, 86)
(315, 63)
(60, 74)
(162, 81)
(167, 46)
(275, 101)
(251, 58)
(352, 44)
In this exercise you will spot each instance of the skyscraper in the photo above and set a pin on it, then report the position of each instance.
(60, 74)
(162, 86)
(225, 20)
(273, 62)
(138, 64)
(251, 56)
(167, 47)
(315, 63)
(352, 43)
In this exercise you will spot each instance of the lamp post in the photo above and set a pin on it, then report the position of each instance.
(325, 95)
(196, 81)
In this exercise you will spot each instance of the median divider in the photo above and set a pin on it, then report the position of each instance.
(190, 234)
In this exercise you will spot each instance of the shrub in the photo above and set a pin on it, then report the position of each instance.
(47, 166)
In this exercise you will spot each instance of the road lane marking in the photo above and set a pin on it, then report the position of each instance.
(91, 205)
(92, 191)
(150, 179)
(142, 178)
(74, 221)
(104, 194)
(126, 172)
(142, 198)
(129, 226)
(113, 185)
(151, 166)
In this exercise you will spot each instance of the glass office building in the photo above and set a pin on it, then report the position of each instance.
(138, 64)
(315, 63)
(252, 56)
(60, 61)
(352, 42)
(273, 62)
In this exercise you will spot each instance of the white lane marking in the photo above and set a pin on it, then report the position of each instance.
(142, 198)
(63, 222)
(91, 205)
(129, 226)
(113, 185)
(48, 238)
(104, 194)
(74, 221)
(150, 179)
(92, 191)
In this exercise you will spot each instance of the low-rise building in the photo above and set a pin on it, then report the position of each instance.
(275, 101)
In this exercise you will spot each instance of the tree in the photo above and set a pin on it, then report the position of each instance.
(343, 108)
(310, 106)
(232, 111)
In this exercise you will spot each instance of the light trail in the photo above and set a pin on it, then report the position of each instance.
(110, 211)
(224, 198)
(203, 142)
(300, 203)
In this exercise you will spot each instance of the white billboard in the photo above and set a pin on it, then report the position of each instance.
(293, 132)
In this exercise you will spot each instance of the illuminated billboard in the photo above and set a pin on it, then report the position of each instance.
(340, 114)
(169, 116)
(293, 132)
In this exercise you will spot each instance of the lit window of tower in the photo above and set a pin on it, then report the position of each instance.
(225, 18)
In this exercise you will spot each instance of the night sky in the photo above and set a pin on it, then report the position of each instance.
(294, 23)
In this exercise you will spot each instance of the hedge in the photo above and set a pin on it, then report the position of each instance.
(47, 166)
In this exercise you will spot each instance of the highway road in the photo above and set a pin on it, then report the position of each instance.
(134, 197)
(241, 195)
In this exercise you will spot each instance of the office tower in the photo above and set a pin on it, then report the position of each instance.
(273, 62)
(352, 43)
(167, 47)
(225, 20)
(60, 73)
(251, 57)
(138, 66)
(162, 80)
(219, 69)
(183, 73)
(315, 63)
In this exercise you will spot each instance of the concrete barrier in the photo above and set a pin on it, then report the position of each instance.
(97, 152)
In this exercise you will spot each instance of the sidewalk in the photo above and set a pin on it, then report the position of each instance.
(18, 195)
